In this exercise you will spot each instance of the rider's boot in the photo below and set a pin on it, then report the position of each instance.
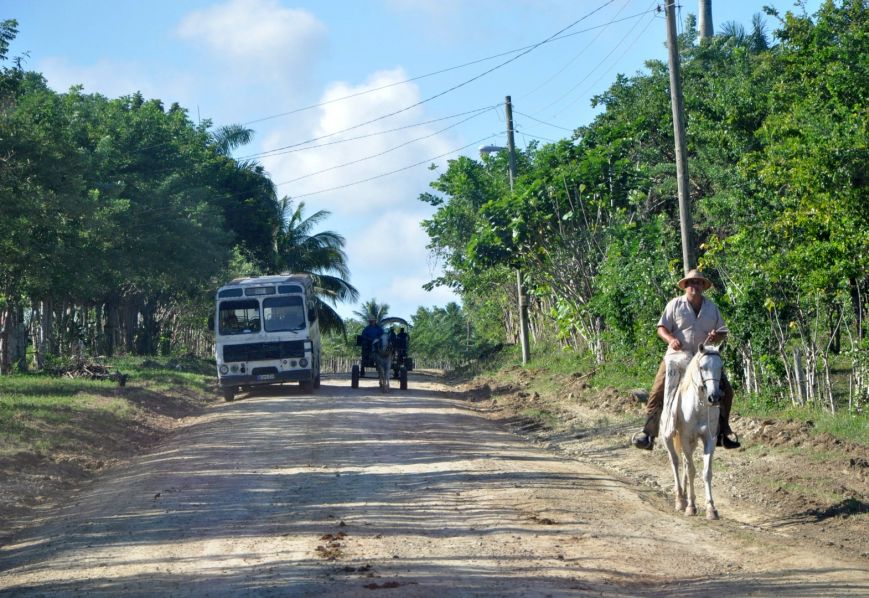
(644, 441)
(728, 443)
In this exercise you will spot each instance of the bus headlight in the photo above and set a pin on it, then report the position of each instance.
(303, 362)
(224, 369)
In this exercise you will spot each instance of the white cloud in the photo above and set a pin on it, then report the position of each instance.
(390, 263)
(408, 291)
(342, 166)
(395, 239)
(259, 36)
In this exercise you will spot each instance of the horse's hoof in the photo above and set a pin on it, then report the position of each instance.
(680, 505)
(691, 510)
(712, 515)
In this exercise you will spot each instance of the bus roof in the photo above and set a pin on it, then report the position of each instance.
(303, 279)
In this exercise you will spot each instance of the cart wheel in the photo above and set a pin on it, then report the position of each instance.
(354, 377)
(402, 378)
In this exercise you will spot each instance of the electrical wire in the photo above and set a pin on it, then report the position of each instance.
(543, 122)
(292, 149)
(391, 172)
(382, 153)
(578, 54)
(454, 87)
(602, 75)
(598, 66)
(357, 94)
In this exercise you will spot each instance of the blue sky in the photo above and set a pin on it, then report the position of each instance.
(259, 62)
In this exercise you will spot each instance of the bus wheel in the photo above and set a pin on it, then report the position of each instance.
(354, 377)
(228, 394)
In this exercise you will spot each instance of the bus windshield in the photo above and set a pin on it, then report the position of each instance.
(239, 317)
(283, 313)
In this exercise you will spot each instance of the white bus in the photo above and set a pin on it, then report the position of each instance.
(266, 332)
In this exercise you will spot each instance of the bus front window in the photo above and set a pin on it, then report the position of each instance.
(283, 313)
(239, 317)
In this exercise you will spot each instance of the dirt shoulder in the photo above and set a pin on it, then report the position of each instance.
(94, 440)
(785, 479)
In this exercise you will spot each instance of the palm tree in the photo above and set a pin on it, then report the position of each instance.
(371, 309)
(756, 41)
(298, 249)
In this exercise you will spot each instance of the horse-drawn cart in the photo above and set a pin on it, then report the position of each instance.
(398, 348)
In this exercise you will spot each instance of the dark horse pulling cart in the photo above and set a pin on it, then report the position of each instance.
(402, 363)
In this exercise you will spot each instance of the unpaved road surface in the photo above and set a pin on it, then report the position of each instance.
(355, 493)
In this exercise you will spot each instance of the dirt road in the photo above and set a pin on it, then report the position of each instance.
(352, 492)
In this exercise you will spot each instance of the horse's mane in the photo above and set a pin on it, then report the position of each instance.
(694, 363)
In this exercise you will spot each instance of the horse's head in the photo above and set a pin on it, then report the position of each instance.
(709, 366)
(382, 344)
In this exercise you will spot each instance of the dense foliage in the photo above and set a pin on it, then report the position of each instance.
(119, 217)
(777, 134)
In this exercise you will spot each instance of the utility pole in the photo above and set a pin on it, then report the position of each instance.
(685, 223)
(520, 287)
(705, 24)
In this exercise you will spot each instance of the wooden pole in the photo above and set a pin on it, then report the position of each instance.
(677, 104)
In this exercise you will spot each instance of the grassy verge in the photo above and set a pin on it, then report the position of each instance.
(851, 427)
(551, 366)
(47, 415)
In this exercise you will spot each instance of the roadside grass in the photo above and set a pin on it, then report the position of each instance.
(550, 364)
(44, 414)
(164, 373)
(852, 427)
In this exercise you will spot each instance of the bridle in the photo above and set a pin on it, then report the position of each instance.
(701, 394)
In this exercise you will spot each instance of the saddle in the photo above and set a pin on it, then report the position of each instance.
(676, 363)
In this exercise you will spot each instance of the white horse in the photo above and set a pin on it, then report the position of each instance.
(691, 414)
(381, 351)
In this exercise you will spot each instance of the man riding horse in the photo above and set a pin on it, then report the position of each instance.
(688, 321)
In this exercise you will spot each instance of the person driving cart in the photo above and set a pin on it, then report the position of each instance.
(372, 331)
(401, 342)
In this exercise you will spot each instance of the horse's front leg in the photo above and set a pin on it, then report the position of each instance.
(690, 472)
(708, 452)
(672, 445)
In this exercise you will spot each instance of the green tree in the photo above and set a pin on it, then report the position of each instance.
(297, 248)
(371, 309)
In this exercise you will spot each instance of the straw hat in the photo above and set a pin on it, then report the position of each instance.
(694, 275)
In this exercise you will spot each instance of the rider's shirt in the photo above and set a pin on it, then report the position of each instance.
(372, 331)
(691, 328)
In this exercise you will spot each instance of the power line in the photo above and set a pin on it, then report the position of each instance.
(602, 75)
(580, 53)
(384, 152)
(599, 64)
(292, 148)
(397, 170)
(543, 122)
(454, 87)
(557, 37)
